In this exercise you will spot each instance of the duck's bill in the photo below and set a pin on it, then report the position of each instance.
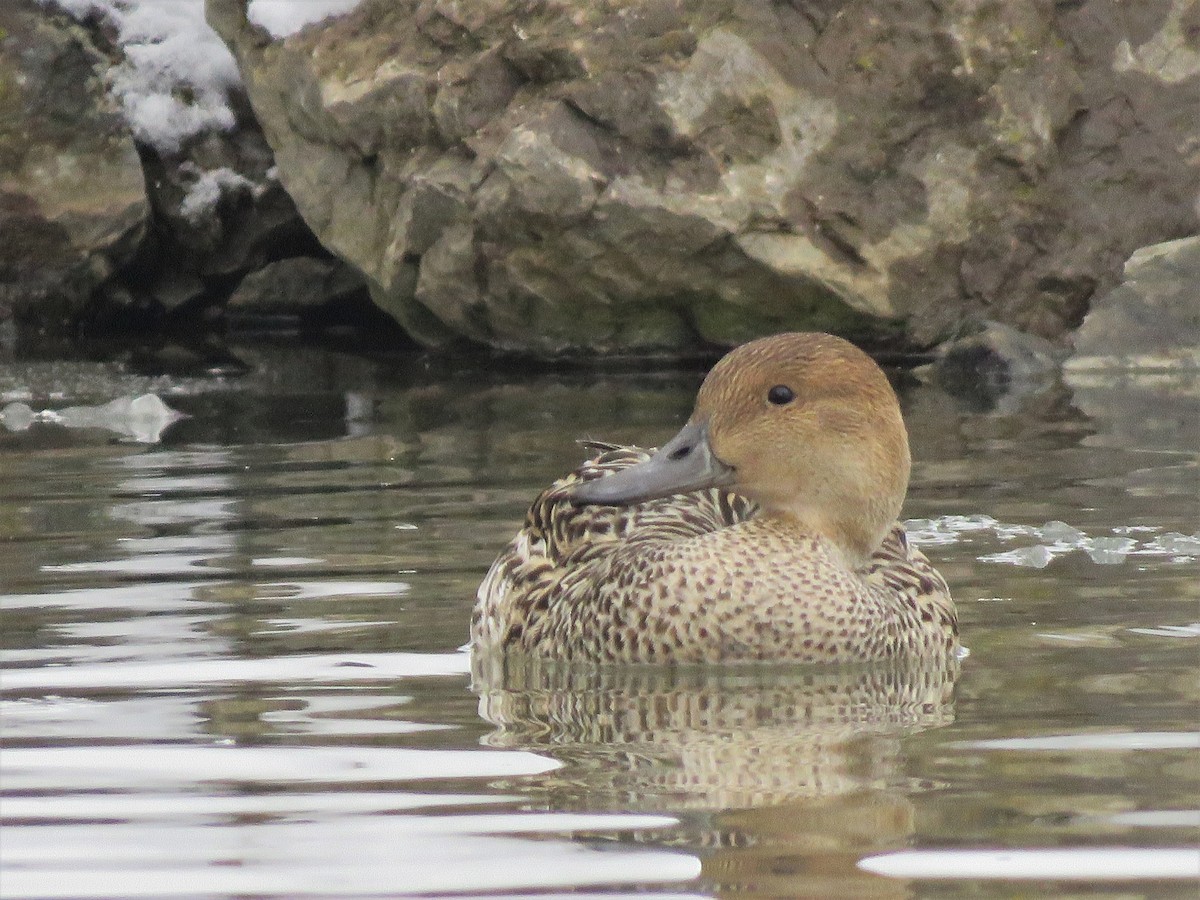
(685, 463)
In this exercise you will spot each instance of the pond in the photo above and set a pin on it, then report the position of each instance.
(232, 659)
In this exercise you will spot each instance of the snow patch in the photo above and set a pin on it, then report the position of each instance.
(204, 195)
(285, 17)
(175, 79)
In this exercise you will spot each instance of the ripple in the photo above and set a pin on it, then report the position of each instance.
(1134, 740)
(153, 765)
(1060, 864)
(331, 668)
(368, 856)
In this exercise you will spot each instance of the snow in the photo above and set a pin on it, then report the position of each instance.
(203, 196)
(175, 80)
(286, 17)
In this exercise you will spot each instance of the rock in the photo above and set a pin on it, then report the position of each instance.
(651, 175)
(181, 129)
(73, 204)
(997, 362)
(221, 214)
(1135, 365)
(291, 290)
(1150, 321)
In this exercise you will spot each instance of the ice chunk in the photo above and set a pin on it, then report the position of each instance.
(946, 529)
(1007, 532)
(1054, 538)
(1175, 543)
(1061, 533)
(1035, 557)
(1174, 631)
(969, 523)
(927, 531)
(1109, 551)
(142, 419)
(17, 416)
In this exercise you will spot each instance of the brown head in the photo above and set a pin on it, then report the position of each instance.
(805, 425)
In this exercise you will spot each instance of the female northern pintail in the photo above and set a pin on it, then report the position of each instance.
(765, 530)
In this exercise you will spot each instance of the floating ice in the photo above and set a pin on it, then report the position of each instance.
(1099, 864)
(1035, 557)
(17, 416)
(1091, 742)
(1055, 539)
(1175, 544)
(142, 419)
(946, 529)
(1060, 533)
(1007, 532)
(1109, 551)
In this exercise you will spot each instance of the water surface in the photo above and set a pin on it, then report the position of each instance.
(232, 667)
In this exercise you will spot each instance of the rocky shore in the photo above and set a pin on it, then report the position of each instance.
(559, 178)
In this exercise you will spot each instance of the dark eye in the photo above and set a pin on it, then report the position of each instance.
(780, 394)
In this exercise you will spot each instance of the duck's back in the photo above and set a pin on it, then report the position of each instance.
(696, 577)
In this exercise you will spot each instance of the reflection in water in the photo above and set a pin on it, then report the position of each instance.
(786, 762)
(715, 737)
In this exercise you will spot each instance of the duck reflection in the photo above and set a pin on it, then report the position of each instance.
(782, 777)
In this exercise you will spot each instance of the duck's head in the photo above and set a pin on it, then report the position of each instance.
(805, 425)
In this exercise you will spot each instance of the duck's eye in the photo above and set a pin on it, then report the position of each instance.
(780, 394)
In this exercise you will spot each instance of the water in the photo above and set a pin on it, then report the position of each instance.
(231, 660)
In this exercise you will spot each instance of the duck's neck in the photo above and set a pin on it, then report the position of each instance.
(854, 537)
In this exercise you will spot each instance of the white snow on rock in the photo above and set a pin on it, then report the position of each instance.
(203, 196)
(286, 17)
(175, 79)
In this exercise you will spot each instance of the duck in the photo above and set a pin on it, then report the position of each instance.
(765, 530)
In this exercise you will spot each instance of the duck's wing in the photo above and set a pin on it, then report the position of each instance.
(563, 533)
(573, 532)
(901, 569)
(560, 536)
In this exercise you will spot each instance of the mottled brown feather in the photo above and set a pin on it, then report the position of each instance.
(697, 577)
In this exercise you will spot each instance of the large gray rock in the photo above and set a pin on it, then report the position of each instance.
(1135, 363)
(1152, 320)
(291, 292)
(578, 175)
(73, 202)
